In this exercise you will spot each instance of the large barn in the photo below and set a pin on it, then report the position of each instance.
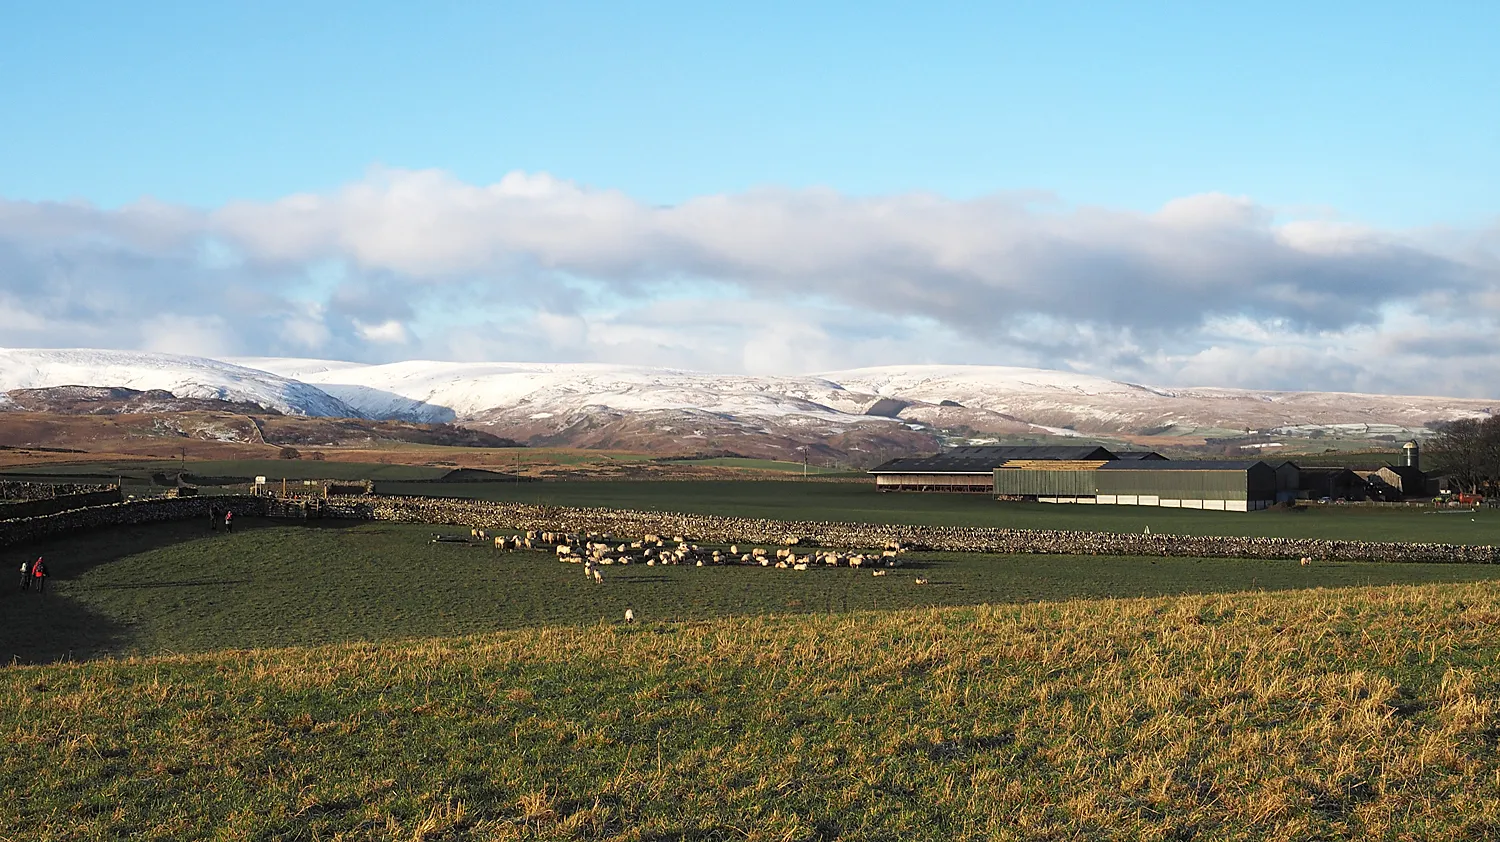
(972, 469)
(1226, 486)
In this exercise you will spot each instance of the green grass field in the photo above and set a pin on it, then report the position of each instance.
(1348, 715)
(178, 588)
(772, 465)
(860, 502)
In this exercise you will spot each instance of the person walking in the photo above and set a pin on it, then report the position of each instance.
(228, 521)
(39, 573)
(25, 575)
(213, 518)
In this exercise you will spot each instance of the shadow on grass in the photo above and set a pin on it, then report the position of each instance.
(46, 627)
(43, 628)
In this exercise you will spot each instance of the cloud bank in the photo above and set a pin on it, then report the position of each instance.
(1207, 290)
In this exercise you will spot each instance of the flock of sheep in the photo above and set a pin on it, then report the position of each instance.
(594, 550)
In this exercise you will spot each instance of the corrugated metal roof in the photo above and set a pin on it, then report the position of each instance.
(1183, 465)
(1138, 455)
(1053, 464)
(983, 460)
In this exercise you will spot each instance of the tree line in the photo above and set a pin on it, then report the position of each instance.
(1467, 451)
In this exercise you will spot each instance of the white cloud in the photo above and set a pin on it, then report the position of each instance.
(386, 332)
(1207, 290)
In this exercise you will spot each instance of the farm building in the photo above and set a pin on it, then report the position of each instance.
(972, 469)
(1334, 483)
(1138, 455)
(1226, 486)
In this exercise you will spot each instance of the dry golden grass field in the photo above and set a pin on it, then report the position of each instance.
(1364, 713)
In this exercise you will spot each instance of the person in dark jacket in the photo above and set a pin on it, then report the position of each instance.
(25, 575)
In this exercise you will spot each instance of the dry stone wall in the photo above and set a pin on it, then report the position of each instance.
(22, 530)
(718, 529)
(22, 490)
(37, 506)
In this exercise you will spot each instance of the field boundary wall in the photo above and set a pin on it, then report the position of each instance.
(720, 529)
(14, 490)
(23, 530)
(35, 507)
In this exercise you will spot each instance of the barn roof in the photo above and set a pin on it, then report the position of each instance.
(1183, 465)
(983, 460)
(1138, 455)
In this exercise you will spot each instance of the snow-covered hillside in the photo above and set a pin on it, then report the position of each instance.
(443, 391)
(1088, 403)
(185, 377)
(599, 403)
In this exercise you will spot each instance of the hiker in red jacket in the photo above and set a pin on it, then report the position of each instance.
(39, 572)
(228, 521)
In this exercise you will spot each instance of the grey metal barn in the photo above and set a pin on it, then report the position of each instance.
(972, 469)
(1225, 486)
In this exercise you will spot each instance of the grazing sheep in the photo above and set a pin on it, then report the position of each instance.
(598, 578)
(921, 580)
(801, 565)
(877, 573)
(629, 616)
(1306, 561)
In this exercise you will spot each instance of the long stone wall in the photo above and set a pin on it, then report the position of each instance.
(37, 506)
(712, 528)
(24, 490)
(22, 530)
(718, 529)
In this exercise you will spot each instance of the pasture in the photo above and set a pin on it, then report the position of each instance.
(177, 587)
(1349, 714)
(860, 502)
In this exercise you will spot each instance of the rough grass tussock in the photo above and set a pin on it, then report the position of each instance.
(1363, 713)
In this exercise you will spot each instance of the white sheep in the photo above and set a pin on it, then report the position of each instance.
(629, 616)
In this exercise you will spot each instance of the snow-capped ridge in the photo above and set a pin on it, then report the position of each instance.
(183, 376)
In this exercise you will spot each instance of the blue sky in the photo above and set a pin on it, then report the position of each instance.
(1381, 112)
(1267, 194)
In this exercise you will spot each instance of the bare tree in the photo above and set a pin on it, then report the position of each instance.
(1468, 451)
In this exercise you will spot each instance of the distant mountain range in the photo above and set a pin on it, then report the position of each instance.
(862, 412)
